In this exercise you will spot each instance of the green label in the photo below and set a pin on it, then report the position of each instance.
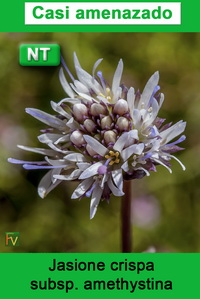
(98, 276)
(39, 55)
(12, 239)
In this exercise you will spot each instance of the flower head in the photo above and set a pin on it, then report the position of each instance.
(102, 134)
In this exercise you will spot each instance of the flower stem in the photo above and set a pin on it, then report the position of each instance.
(126, 232)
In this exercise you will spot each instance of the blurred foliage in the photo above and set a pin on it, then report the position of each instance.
(60, 224)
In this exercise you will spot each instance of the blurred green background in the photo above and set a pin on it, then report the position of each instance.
(166, 207)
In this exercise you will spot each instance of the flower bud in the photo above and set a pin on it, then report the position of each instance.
(77, 138)
(90, 150)
(97, 109)
(89, 125)
(121, 107)
(110, 137)
(106, 122)
(80, 110)
(122, 123)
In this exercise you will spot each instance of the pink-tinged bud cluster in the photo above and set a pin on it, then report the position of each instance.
(105, 122)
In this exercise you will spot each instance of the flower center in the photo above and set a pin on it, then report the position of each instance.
(114, 157)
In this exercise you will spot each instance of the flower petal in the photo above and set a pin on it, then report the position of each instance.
(16, 161)
(45, 185)
(125, 166)
(83, 166)
(90, 171)
(88, 80)
(117, 76)
(82, 188)
(42, 151)
(114, 189)
(96, 145)
(148, 90)
(55, 171)
(131, 100)
(172, 132)
(146, 171)
(131, 150)
(96, 196)
(49, 137)
(46, 118)
(118, 178)
(161, 163)
(183, 166)
(75, 157)
(60, 110)
(181, 139)
(72, 124)
(33, 167)
(119, 144)
(73, 176)
(80, 87)
(65, 84)
(95, 66)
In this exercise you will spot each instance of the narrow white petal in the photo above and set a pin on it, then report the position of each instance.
(183, 166)
(90, 171)
(73, 176)
(80, 87)
(131, 150)
(147, 173)
(57, 162)
(65, 84)
(151, 115)
(119, 144)
(49, 138)
(96, 65)
(60, 110)
(42, 151)
(70, 101)
(117, 76)
(137, 118)
(162, 97)
(172, 132)
(57, 149)
(88, 80)
(86, 98)
(161, 163)
(96, 197)
(114, 189)
(75, 157)
(55, 171)
(72, 124)
(105, 178)
(132, 135)
(76, 61)
(82, 188)
(46, 118)
(131, 100)
(105, 100)
(125, 167)
(118, 178)
(117, 95)
(64, 138)
(83, 165)
(148, 90)
(45, 185)
(96, 145)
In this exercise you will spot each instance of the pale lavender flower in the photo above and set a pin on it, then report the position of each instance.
(102, 134)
